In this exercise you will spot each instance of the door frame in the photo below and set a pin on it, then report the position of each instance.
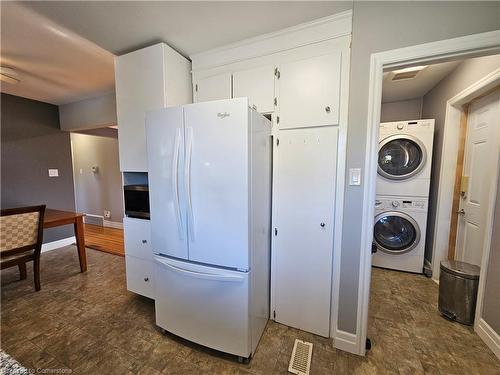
(444, 50)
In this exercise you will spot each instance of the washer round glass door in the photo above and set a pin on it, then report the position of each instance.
(396, 232)
(400, 157)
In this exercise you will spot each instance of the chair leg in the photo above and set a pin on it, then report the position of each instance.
(22, 271)
(36, 272)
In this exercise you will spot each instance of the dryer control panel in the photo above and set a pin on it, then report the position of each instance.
(407, 126)
(396, 203)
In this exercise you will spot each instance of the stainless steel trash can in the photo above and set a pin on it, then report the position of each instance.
(458, 283)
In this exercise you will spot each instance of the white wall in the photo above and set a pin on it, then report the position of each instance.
(96, 192)
(401, 110)
(90, 113)
(382, 26)
(434, 106)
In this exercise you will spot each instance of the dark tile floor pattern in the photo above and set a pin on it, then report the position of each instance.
(90, 324)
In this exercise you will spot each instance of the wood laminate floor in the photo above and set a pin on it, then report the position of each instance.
(91, 324)
(109, 240)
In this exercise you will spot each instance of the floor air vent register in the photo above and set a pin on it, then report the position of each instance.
(300, 363)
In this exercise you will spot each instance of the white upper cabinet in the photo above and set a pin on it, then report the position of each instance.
(213, 88)
(258, 85)
(309, 91)
(146, 79)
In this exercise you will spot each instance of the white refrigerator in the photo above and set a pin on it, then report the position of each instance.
(210, 201)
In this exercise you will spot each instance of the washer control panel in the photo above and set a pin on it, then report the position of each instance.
(396, 203)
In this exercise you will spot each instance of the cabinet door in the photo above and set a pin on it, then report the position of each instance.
(140, 276)
(213, 88)
(304, 196)
(137, 233)
(139, 80)
(309, 92)
(258, 85)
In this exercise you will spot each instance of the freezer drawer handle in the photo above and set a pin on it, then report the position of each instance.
(202, 275)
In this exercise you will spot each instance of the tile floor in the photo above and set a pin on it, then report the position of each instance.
(90, 324)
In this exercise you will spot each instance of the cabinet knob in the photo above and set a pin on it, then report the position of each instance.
(322, 225)
(327, 109)
(144, 241)
(146, 279)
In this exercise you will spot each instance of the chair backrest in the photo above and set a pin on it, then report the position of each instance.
(21, 229)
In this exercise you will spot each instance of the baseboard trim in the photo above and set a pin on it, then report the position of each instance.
(58, 244)
(112, 224)
(346, 341)
(489, 336)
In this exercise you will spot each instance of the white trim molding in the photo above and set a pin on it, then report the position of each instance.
(444, 50)
(345, 341)
(489, 336)
(322, 29)
(49, 246)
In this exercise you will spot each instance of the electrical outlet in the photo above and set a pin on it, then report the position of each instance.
(107, 214)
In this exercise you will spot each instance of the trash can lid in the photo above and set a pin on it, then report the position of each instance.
(455, 267)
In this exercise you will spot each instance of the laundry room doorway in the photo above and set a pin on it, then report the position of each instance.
(397, 296)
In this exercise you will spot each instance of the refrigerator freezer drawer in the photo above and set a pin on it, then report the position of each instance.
(202, 304)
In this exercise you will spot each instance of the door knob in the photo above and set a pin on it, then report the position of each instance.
(144, 241)
(461, 212)
(322, 225)
(146, 279)
(327, 109)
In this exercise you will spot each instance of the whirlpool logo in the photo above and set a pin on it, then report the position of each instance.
(223, 115)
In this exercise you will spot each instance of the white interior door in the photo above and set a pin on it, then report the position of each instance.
(217, 182)
(257, 85)
(309, 92)
(480, 165)
(165, 145)
(304, 198)
(213, 88)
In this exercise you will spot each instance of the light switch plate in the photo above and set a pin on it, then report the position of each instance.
(354, 176)
(53, 172)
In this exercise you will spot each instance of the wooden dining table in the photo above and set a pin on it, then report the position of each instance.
(55, 218)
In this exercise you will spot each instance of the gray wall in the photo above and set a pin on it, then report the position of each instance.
(31, 143)
(401, 110)
(468, 72)
(96, 192)
(491, 306)
(89, 113)
(381, 26)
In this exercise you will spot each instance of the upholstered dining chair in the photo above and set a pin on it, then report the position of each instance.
(21, 234)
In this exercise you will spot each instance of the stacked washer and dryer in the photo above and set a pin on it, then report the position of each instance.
(403, 183)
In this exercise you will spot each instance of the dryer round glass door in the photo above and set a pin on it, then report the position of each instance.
(400, 157)
(395, 232)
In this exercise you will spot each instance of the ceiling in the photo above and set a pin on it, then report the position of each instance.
(63, 50)
(188, 26)
(417, 87)
(53, 64)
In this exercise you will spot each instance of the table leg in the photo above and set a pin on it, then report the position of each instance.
(80, 243)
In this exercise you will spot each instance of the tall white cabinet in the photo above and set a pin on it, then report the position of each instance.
(150, 78)
(299, 77)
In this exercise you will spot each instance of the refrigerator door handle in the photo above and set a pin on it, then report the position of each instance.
(187, 179)
(223, 276)
(175, 181)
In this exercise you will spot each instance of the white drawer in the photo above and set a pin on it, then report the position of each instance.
(140, 276)
(137, 234)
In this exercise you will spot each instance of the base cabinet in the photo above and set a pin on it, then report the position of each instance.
(140, 276)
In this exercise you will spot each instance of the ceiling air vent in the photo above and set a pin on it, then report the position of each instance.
(407, 73)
